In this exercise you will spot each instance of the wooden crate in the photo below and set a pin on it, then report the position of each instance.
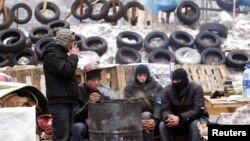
(211, 77)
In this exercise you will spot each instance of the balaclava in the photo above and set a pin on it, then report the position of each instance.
(142, 69)
(63, 37)
(182, 75)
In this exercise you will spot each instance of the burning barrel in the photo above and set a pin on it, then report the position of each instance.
(115, 120)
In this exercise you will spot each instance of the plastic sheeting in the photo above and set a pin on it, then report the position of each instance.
(159, 5)
(245, 2)
(18, 124)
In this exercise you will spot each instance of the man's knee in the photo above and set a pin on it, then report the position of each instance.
(162, 125)
(80, 127)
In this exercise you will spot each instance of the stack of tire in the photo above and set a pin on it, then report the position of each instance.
(15, 48)
(182, 43)
(158, 53)
(129, 51)
(216, 32)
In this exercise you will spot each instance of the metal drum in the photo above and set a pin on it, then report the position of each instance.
(115, 120)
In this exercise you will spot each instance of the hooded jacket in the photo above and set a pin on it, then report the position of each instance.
(59, 70)
(151, 91)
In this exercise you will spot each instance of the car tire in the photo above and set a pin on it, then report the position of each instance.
(28, 10)
(41, 44)
(161, 55)
(58, 24)
(79, 40)
(127, 55)
(237, 59)
(87, 12)
(186, 19)
(213, 56)
(37, 33)
(116, 16)
(204, 38)
(187, 55)
(89, 42)
(180, 39)
(152, 35)
(129, 5)
(104, 11)
(130, 35)
(4, 60)
(16, 46)
(33, 59)
(43, 19)
(217, 28)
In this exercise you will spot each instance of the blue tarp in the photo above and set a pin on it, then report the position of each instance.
(245, 2)
(159, 5)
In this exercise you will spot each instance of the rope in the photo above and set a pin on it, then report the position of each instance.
(3, 9)
(44, 6)
(1, 5)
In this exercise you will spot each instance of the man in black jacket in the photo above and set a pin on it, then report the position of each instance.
(91, 91)
(182, 108)
(61, 84)
(147, 88)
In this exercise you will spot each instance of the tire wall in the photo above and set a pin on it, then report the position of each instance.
(64, 6)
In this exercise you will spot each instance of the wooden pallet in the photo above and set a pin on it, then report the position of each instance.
(211, 77)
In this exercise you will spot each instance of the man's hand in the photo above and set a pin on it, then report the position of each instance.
(148, 124)
(87, 121)
(172, 120)
(74, 49)
(94, 97)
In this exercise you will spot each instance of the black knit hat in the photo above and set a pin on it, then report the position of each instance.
(142, 69)
(93, 74)
(180, 74)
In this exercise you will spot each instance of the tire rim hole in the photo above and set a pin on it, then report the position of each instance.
(128, 56)
(156, 42)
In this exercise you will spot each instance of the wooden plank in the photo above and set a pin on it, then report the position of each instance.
(114, 11)
(114, 79)
(21, 76)
(224, 72)
(2, 5)
(35, 78)
(121, 79)
(213, 110)
(104, 76)
(141, 18)
(129, 73)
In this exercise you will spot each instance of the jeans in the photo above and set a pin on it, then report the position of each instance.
(80, 131)
(190, 129)
(62, 122)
